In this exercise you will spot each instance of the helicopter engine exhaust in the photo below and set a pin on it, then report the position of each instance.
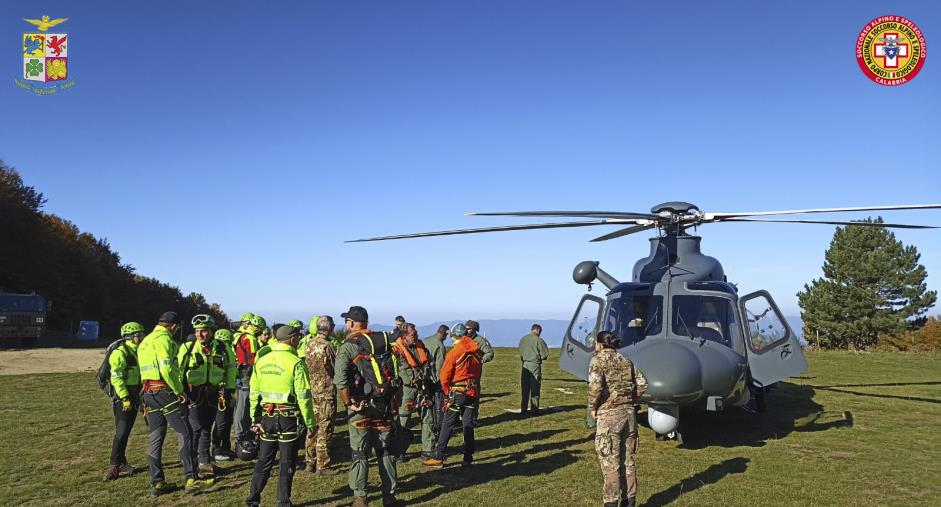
(663, 419)
(587, 272)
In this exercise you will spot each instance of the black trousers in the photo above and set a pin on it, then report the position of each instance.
(463, 407)
(201, 419)
(279, 433)
(123, 424)
(222, 431)
(164, 410)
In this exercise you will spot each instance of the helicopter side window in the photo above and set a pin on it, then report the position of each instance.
(765, 327)
(634, 318)
(705, 317)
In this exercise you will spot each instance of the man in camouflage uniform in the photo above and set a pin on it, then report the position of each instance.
(613, 388)
(321, 357)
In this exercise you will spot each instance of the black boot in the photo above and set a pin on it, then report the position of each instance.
(610, 504)
(629, 502)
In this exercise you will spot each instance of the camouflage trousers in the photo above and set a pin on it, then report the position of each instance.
(616, 444)
(317, 445)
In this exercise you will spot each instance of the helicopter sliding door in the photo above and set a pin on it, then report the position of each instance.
(579, 342)
(774, 352)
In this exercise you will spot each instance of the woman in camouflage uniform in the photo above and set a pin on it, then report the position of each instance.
(613, 388)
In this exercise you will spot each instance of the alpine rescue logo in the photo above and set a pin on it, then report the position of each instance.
(45, 68)
(891, 50)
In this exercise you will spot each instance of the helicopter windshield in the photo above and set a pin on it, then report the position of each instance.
(706, 317)
(634, 317)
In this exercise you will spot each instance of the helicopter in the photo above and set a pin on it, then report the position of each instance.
(697, 341)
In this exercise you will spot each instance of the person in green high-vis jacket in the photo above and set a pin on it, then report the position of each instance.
(126, 383)
(533, 351)
(279, 402)
(166, 402)
(208, 367)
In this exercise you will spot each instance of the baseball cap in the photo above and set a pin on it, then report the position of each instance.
(356, 314)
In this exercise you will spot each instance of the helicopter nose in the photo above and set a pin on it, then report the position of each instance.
(673, 372)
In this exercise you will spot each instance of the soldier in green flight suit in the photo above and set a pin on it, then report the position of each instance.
(372, 421)
(126, 383)
(280, 400)
(166, 403)
(436, 347)
(208, 366)
(473, 327)
(533, 351)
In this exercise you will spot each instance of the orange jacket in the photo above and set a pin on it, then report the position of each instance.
(462, 365)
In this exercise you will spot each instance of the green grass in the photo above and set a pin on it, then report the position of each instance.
(856, 429)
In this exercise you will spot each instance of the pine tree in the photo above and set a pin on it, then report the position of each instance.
(872, 285)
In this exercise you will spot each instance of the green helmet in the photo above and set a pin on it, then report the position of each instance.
(296, 324)
(131, 328)
(458, 330)
(258, 321)
(203, 321)
(246, 317)
(223, 335)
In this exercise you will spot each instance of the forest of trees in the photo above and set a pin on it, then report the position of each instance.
(80, 274)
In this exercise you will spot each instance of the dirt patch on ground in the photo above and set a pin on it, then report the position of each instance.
(51, 360)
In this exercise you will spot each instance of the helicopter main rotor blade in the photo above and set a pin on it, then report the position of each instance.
(726, 216)
(623, 232)
(576, 214)
(495, 229)
(832, 222)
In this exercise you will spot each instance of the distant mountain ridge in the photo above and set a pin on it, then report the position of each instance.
(500, 332)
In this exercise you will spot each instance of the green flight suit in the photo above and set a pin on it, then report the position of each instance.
(365, 437)
(485, 348)
(437, 350)
(533, 351)
(410, 403)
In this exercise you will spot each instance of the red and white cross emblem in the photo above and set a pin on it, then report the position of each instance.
(891, 62)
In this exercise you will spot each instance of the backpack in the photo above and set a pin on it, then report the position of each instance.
(377, 369)
(103, 378)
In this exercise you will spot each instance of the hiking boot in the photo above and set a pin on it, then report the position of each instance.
(223, 455)
(628, 502)
(325, 471)
(126, 469)
(161, 488)
(467, 463)
(389, 501)
(206, 470)
(401, 458)
(194, 486)
(433, 463)
(112, 473)
(359, 501)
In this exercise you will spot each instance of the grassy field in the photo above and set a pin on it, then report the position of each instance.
(855, 429)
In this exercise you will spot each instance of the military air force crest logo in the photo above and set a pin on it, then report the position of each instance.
(891, 50)
(45, 58)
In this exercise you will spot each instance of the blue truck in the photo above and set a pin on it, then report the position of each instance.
(22, 316)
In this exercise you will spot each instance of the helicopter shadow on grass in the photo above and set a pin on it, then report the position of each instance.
(515, 417)
(711, 475)
(791, 408)
(499, 467)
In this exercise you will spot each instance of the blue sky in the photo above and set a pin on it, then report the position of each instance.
(229, 148)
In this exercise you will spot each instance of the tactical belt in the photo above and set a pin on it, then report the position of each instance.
(372, 424)
(155, 385)
(275, 409)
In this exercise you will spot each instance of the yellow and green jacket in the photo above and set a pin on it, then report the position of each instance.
(125, 373)
(280, 377)
(156, 355)
(213, 363)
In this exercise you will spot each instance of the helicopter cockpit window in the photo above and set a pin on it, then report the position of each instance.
(634, 317)
(706, 318)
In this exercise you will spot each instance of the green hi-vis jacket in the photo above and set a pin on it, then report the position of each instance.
(280, 377)
(124, 369)
(212, 364)
(533, 349)
(156, 355)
